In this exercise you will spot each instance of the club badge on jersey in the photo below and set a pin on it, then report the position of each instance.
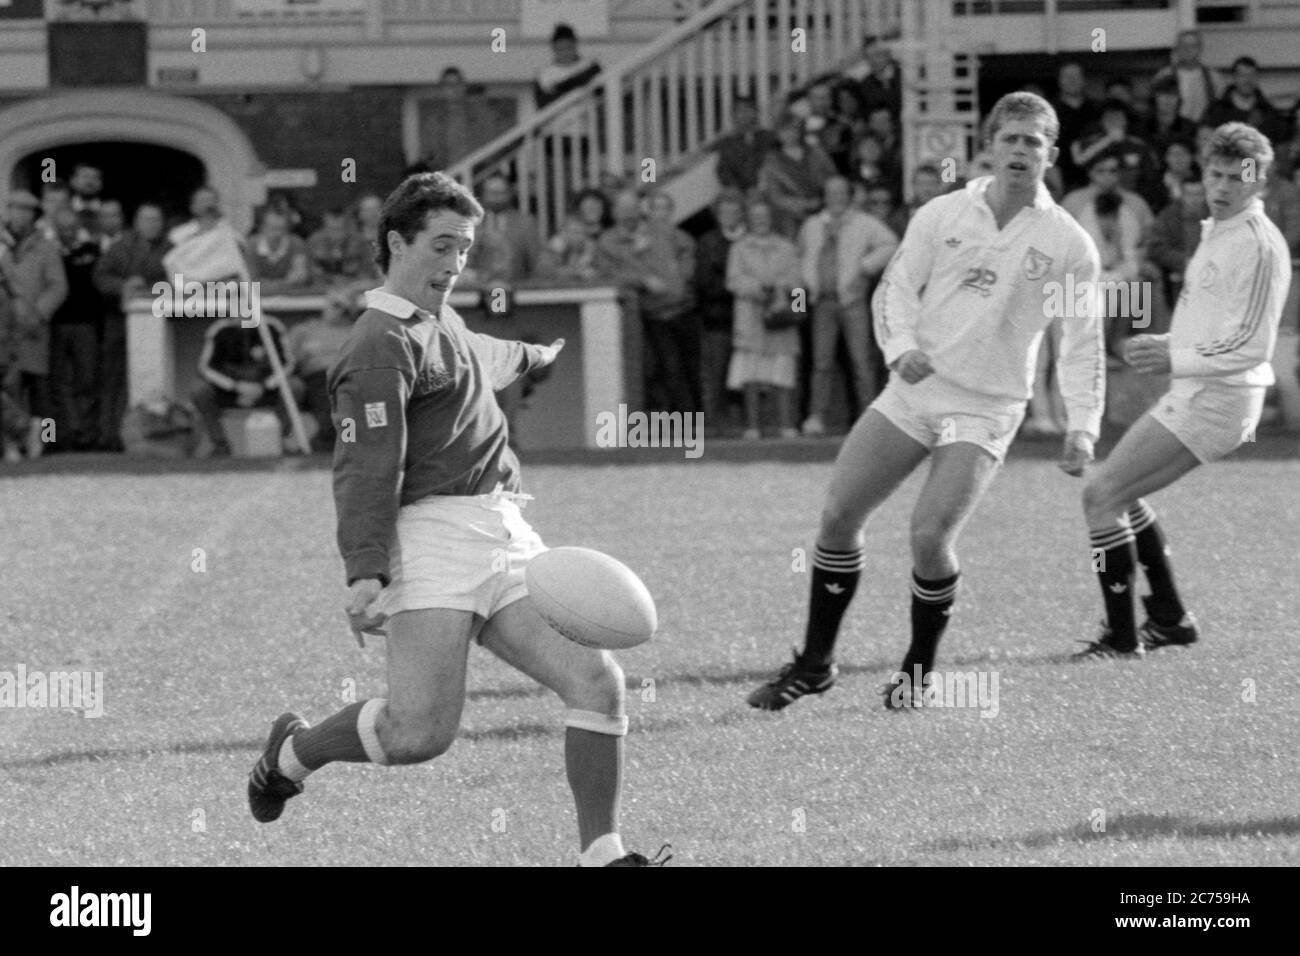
(1036, 264)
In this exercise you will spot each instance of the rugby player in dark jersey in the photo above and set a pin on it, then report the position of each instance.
(433, 540)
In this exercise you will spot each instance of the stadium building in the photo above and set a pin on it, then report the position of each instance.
(254, 95)
(326, 100)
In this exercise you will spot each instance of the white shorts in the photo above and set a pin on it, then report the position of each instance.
(463, 553)
(937, 412)
(1210, 418)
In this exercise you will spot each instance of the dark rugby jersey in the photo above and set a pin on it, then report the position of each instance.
(419, 392)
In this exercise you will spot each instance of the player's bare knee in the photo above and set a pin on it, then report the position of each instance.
(1099, 499)
(415, 740)
(597, 686)
(931, 538)
(840, 531)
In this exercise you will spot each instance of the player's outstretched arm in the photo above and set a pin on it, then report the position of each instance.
(505, 360)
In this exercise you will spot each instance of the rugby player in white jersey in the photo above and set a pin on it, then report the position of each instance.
(433, 542)
(1217, 351)
(959, 315)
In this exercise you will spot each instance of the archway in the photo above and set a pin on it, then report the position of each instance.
(133, 173)
(136, 116)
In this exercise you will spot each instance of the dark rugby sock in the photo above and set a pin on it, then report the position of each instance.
(1114, 559)
(834, 580)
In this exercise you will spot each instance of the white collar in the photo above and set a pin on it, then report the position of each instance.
(393, 304)
(979, 187)
(1254, 205)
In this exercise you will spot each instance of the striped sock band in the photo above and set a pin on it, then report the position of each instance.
(932, 600)
(839, 562)
(942, 591)
(1115, 537)
(1141, 516)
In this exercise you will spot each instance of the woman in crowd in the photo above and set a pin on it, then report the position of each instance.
(762, 269)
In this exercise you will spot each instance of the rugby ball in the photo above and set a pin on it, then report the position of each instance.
(591, 598)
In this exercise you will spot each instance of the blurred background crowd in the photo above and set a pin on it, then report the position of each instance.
(812, 199)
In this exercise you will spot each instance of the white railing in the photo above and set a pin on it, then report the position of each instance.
(668, 102)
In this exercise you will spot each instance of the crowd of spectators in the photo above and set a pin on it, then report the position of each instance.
(827, 178)
(68, 267)
(812, 208)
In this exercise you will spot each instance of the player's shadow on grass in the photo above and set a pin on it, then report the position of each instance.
(882, 669)
(1129, 826)
(251, 745)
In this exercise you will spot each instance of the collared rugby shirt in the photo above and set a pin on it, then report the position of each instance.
(1226, 320)
(417, 391)
(976, 299)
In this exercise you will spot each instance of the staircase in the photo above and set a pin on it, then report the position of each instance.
(653, 116)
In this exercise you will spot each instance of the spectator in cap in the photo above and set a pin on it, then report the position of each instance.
(568, 71)
(32, 286)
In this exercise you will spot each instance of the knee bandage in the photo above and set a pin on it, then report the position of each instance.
(596, 723)
(369, 713)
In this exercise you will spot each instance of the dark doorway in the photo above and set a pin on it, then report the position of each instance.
(133, 173)
(1005, 73)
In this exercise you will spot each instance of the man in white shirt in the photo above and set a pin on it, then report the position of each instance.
(1198, 85)
(1217, 352)
(842, 249)
(959, 315)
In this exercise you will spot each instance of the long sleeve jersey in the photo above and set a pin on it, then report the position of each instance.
(1225, 323)
(414, 392)
(976, 299)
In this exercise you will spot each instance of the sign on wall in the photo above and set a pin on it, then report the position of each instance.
(290, 8)
(289, 178)
(22, 10)
(589, 18)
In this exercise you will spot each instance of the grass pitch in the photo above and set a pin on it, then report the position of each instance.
(1188, 757)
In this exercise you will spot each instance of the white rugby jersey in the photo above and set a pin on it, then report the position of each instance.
(1234, 288)
(976, 300)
